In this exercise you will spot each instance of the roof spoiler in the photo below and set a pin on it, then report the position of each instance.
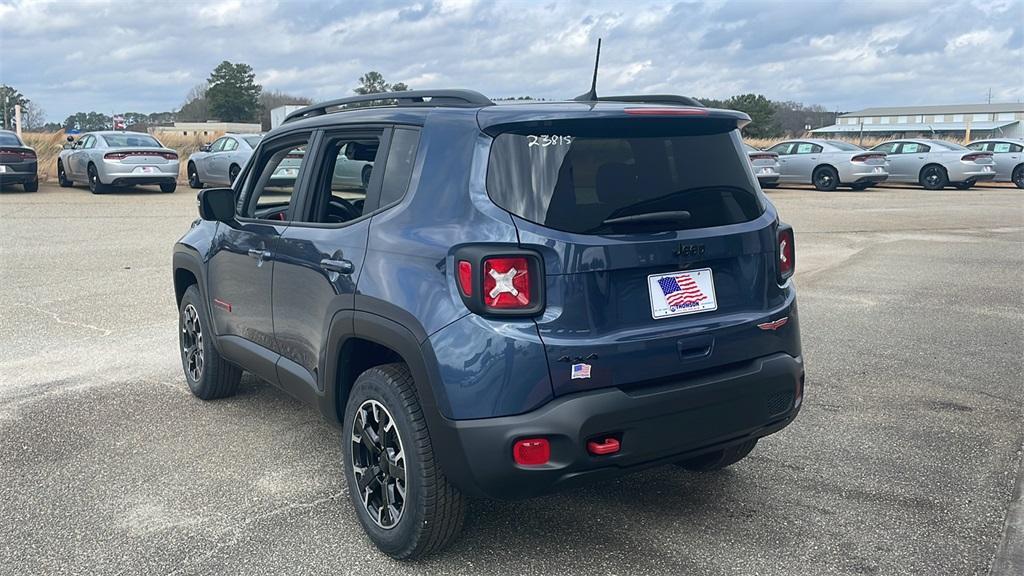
(425, 98)
(672, 99)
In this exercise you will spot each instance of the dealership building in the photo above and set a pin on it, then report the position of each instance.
(966, 121)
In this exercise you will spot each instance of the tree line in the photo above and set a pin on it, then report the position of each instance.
(231, 94)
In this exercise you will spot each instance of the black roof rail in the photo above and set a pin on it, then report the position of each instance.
(429, 98)
(654, 99)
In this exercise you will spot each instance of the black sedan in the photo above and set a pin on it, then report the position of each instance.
(17, 162)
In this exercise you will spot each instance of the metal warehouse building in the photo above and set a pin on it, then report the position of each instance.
(967, 121)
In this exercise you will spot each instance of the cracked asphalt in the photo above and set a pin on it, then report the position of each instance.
(902, 462)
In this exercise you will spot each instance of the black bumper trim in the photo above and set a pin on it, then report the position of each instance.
(654, 427)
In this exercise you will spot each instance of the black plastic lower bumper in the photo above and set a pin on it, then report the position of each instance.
(17, 177)
(136, 181)
(654, 426)
(768, 179)
(875, 179)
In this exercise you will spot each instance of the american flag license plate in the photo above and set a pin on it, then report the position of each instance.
(684, 292)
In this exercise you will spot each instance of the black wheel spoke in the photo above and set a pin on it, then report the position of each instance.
(378, 463)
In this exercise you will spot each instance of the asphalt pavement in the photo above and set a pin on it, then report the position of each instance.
(903, 460)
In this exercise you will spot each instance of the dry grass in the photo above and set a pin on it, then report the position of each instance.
(49, 145)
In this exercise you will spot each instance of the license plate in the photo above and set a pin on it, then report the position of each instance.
(765, 171)
(3, 168)
(878, 169)
(683, 292)
(145, 170)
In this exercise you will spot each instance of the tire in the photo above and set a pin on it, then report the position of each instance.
(95, 185)
(193, 177)
(860, 187)
(208, 375)
(62, 177)
(767, 186)
(365, 176)
(32, 186)
(169, 187)
(233, 173)
(430, 515)
(1018, 176)
(933, 177)
(964, 185)
(719, 458)
(825, 178)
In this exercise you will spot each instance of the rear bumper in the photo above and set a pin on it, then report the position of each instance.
(654, 425)
(121, 174)
(19, 173)
(875, 178)
(142, 180)
(768, 178)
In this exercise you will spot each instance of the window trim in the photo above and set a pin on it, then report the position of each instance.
(245, 181)
(412, 175)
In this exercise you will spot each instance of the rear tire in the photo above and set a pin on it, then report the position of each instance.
(1018, 176)
(193, 177)
(825, 178)
(169, 187)
(62, 176)
(771, 185)
(386, 443)
(860, 187)
(32, 186)
(933, 177)
(964, 185)
(208, 375)
(95, 185)
(719, 458)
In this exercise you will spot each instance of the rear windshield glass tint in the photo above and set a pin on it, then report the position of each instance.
(130, 140)
(948, 145)
(9, 139)
(253, 140)
(579, 183)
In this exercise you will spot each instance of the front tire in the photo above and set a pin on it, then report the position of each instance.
(719, 458)
(32, 186)
(233, 173)
(193, 177)
(401, 496)
(169, 187)
(825, 179)
(934, 177)
(95, 185)
(1018, 176)
(62, 176)
(208, 375)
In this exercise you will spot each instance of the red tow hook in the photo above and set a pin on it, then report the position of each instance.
(604, 447)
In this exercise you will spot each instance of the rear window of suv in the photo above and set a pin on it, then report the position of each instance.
(594, 184)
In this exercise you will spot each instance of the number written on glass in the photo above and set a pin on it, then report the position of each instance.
(545, 140)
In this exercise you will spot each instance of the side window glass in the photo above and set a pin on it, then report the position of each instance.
(230, 144)
(888, 147)
(339, 190)
(804, 148)
(979, 146)
(272, 182)
(815, 149)
(398, 168)
(911, 148)
(1000, 146)
(217, 146)
(781, 149)
(1016, 148)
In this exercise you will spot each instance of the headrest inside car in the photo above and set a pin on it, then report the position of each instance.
(362, 151)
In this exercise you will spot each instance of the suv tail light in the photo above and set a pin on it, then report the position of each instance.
(786, 252)
(496, 280)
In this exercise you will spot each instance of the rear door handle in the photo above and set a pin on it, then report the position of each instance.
(339, 266)
(259, 254)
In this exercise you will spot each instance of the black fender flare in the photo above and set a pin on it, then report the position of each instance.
(187, 258)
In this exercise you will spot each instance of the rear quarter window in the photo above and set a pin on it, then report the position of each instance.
(578, 183)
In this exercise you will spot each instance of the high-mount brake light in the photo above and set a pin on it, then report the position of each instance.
(786, 253)
(506, 283)
(666, 111)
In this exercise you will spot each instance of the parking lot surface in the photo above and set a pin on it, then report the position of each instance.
(902, 461)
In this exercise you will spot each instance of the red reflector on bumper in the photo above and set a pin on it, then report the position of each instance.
(606, 446)
(531, 451)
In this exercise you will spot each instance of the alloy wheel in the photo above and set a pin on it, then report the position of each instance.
(192, 342)
(378, 462)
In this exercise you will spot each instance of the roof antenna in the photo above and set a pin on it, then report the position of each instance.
(592, 95)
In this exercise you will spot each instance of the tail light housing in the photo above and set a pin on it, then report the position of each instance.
(123, 155)
(498, 280)
(867, 157)
(785, 252)
(765, 156)
(23, 154)
(975, 156)
(531, 451)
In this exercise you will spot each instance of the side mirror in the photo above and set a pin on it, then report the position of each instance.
(217, 204)
(204, 148)
(71, 138)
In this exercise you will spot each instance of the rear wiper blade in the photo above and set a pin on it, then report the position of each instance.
(649, 218)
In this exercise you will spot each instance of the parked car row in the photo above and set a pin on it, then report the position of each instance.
(934, 164)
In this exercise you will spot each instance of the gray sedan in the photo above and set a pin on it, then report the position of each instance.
(765, 165)
(936, 164)
(221, 162)
(1008, 154)
(829, 164)
(105, 159)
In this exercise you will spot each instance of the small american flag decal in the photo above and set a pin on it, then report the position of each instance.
(580, 371)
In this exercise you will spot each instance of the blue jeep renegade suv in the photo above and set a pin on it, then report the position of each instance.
(517, 299)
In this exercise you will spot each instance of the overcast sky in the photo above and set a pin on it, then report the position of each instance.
(143, 56)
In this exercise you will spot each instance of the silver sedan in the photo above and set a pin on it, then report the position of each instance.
(106, 159)
(1008, 154)
(935, 164)
(765, 165)
(829, 164)
(220, 163)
